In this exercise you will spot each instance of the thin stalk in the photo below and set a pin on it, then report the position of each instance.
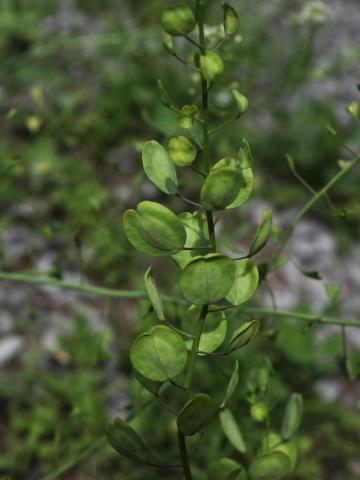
(228, 122)
(313, 200)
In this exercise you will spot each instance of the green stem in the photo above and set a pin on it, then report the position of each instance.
(90, 289)
(300, 316)
(313, 200)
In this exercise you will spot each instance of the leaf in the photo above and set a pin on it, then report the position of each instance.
(311, 274)
(243, 335)
(211, 65)
(181, 151)
(164, 96)
(353, 109)
(197, 237)
(221, 188)
(186, 116)
(126, 441)
(263, 233)
(158, 167)
(231, 19)
(232, 430)
(178, 20)
(292, 416)
(149, 385)
(195, 414)
(154, 229)
(241, 100)
(352, 365)
(153, 294)
(207, 279)
(214, 331)
(273, 442)
(234, 380)
(159, 355)
(332, 291)
(271, 466)
(226, 468)
(245, 282)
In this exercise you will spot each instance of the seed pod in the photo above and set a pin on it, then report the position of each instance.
(259, 412)
(164, 96)
(231, 19)
(292, 417)
(181, 151)
(178, 20)
(241, 100)
(211, 65)
(186, 116)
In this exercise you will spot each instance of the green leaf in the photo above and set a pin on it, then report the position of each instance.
(243, 335)
(214, 331)
(315, 275)
(211, 65)
(207, 279)
(126, 441)
(231, 19)
(195, 414)
(273, 442)
(178, 20)
(159, 355)
(234, 380)
(149, 385)
(181, 151)
(332, 291)
(292, 416)
(232, 430)
(271, 466)
(158, 167)
(226, 468)
(263, 233)
(241, 100)
(164, 96)
(245, 283)
(154, 229)
(153, 294)
(186, 116)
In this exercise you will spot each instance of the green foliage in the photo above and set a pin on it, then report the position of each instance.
(159, 355)
(195, 414)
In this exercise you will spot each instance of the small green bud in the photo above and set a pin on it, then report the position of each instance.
(167, 42)
(211, 65)
(331, 131)
(164, 96)
(231, 19)
(241, 100)
(259, 412)
(353, 109)
(181, 151)
(186, 116)
(178, 20)
(245, 154)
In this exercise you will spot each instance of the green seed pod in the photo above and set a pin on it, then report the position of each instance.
(231, 19)
(164, 96)
(292, 417)
(181, 151)
(178, 20)
(353, 110)
(241, 100)
(211, 65)
(259, 412)
(186, 116)
(272, 466)
(167, 42)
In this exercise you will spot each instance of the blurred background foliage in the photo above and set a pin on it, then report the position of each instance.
(78, 98)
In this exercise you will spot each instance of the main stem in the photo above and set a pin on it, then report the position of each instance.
(210, 222)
